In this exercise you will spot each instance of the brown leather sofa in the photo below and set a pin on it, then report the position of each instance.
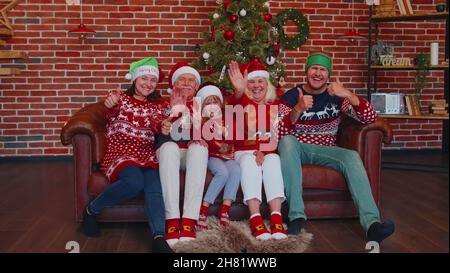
(325, 192)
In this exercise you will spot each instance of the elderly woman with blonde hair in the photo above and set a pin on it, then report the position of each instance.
(256, 152)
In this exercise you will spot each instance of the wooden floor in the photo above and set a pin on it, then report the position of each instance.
(36, 214)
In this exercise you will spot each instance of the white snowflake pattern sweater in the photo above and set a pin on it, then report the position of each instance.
(319, 125)
(130, 135)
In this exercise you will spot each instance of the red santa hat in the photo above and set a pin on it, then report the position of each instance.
(179, 69)
(255, 69)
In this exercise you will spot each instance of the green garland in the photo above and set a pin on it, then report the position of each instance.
(302, 24)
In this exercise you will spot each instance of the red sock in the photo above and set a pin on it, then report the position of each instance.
(172, 229)
(223, 215)
(258, 228)
(202, 223)
(276, 226)
(187, 228)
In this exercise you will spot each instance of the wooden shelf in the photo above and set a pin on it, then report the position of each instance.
(9, 71)
(413, 17)
(375, 23)
(399, 67)
(414, 117)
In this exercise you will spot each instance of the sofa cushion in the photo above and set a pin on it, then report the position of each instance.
(315, 177)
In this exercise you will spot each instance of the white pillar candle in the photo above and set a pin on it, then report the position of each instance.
(434, 60)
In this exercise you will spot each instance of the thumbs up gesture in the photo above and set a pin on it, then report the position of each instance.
(166, 126)
(337, 89)
(305, 102)
(113, 98)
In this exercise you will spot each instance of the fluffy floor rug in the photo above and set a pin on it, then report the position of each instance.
(237, 238)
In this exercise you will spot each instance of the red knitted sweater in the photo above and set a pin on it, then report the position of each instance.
(130, 135)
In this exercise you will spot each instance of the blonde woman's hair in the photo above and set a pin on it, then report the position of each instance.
(271, 93)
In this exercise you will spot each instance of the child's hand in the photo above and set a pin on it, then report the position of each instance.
(224, 148)
(166, 126)
(259, 157)
(113, 98)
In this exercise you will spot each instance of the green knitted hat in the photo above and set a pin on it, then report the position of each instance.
(147, 66)
(320, 58)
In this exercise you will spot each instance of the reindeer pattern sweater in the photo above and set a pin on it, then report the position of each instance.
(130, 135)
(319, 125)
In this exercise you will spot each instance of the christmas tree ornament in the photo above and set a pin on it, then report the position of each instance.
(243, 12)
(228, 35)
(277, 46)
(267, 17)
(270, 60)
(206, 57)
(216, 16)
(211, 70)
(222, 73)
(257, 29)
(276, 49)
(226, 3)
(266, 4)
(233, 18)
(274, 30)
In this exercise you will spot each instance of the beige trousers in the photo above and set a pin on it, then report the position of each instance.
(194, 161)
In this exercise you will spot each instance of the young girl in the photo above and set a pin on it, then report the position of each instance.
(130, 160)
(226, 171)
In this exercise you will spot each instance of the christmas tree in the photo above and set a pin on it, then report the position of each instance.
(241, 30)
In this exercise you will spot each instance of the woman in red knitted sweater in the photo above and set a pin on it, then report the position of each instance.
(130, 162)
(255, 151)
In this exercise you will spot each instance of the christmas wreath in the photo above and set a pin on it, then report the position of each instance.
(302, 24)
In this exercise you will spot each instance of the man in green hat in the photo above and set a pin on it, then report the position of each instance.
(317, 110)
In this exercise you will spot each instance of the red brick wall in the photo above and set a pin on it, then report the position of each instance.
(62, 75)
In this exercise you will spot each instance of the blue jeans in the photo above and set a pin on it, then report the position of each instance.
(227, 173)
(131, 182)
(348, 162)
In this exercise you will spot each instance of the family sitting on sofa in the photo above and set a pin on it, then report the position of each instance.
(148, 140)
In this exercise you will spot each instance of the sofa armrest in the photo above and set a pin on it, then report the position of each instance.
(354, 135)
(90, 121)
(85, 131)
